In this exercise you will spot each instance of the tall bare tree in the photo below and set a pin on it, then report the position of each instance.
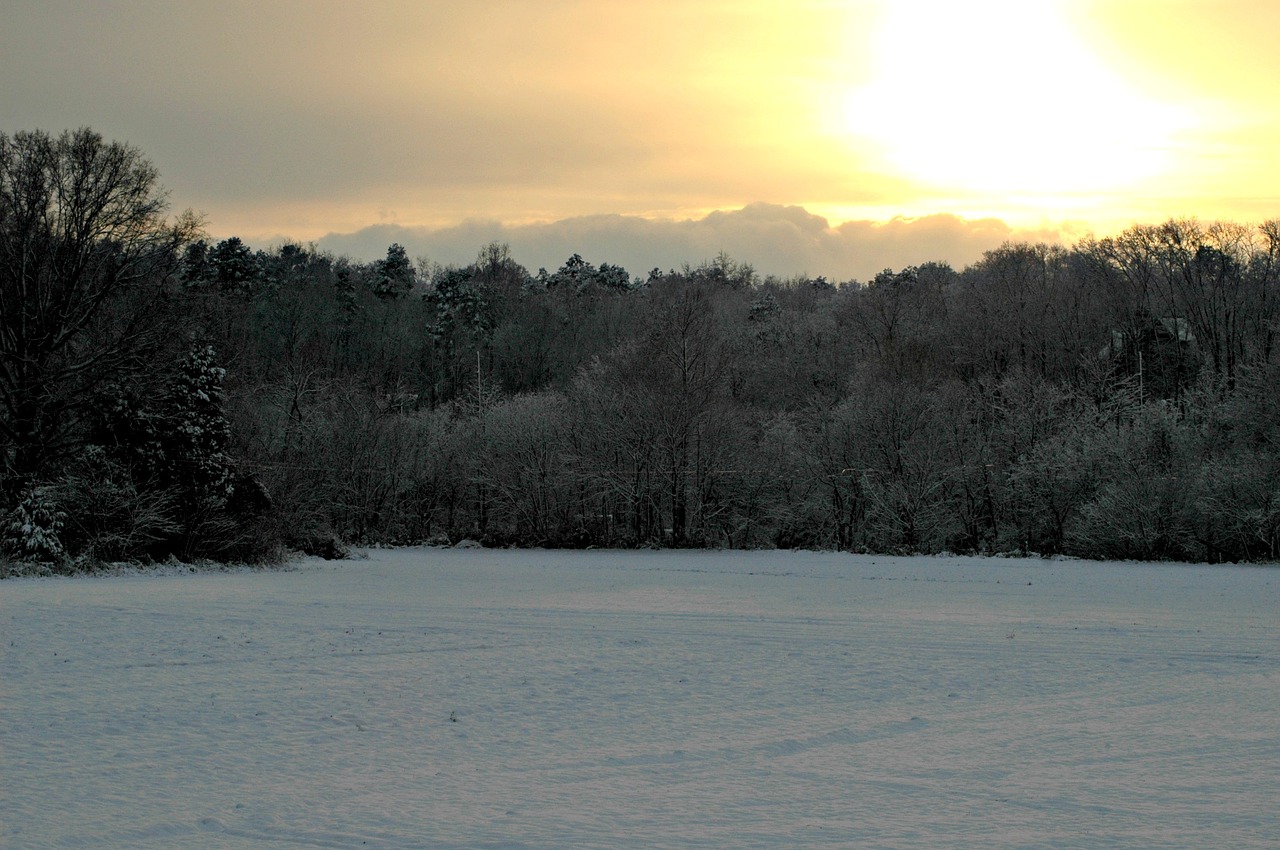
(84, 250)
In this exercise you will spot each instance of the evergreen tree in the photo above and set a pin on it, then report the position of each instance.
(34, 531)
(198, 433)
(233, 267)
(395, 274)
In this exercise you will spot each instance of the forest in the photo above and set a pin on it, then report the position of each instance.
(168, 396)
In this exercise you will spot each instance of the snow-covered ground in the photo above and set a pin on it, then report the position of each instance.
(479, 699)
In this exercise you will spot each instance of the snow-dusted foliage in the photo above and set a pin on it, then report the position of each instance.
(112, 516)
(155, 477)
(1115, 399)
(395, 275)
(199, 433)
(34, 530)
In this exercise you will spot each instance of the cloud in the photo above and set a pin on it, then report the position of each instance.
(302, 117)
(305, 117)
(775, 239)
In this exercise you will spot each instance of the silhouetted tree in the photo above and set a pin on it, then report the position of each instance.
(395, 275)
(85, 254)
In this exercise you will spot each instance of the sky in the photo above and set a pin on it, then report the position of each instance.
(833, 137)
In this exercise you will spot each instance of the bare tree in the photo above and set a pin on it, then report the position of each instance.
(84, 250)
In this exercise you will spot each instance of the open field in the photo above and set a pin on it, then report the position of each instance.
(431, 698)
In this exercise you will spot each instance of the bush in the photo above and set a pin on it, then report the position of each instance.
(34, 530)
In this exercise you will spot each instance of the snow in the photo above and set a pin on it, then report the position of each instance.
(432, 698)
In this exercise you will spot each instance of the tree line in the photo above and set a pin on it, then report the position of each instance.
(164, 395)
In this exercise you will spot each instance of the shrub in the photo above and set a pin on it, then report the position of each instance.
(34, 530)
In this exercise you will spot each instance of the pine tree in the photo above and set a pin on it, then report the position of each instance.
(199, 433)
(34, 530)
(395, 274)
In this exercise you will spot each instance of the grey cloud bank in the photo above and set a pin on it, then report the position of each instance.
(775, 239)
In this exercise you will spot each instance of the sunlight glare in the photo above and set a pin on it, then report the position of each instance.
(1003, 97)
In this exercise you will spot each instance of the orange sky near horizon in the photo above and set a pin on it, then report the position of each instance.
(299, 118)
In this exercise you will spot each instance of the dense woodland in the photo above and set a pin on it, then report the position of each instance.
(165, 395)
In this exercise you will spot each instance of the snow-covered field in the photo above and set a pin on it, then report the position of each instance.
(478, 699)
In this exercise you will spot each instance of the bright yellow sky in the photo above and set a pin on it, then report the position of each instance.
(1101, 112)
(300, 118)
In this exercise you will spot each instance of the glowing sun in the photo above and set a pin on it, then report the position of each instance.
(1003, 98)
